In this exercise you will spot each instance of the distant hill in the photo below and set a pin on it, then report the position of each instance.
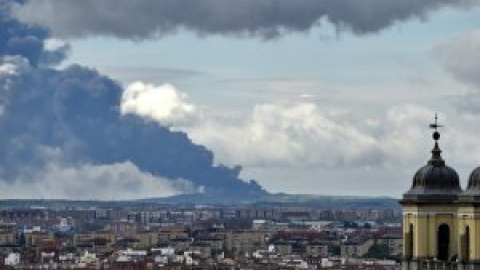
(329, 201)
(285, 199)
(270, 200)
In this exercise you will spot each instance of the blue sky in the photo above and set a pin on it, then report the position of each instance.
(313, 110)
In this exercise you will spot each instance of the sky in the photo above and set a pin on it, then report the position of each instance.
(330, 97)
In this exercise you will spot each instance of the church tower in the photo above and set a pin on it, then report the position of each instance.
(469, 223)
(430, 214)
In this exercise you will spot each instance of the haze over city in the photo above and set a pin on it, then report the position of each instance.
(120, 99)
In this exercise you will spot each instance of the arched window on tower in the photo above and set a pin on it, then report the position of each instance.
(467, 244)
(408, 245)
(443, 242)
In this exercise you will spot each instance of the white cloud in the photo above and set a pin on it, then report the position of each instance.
(301, 135)
(296, 134)
(119, 181)
(281, 134)
(404, 136)
(161, 103)
(299, 147)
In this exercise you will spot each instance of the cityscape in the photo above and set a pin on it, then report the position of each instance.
(148, 236)
(240, 134)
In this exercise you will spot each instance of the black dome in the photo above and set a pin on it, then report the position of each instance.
(431, 179)
(473, 187)
(474, 180)
(434, 181)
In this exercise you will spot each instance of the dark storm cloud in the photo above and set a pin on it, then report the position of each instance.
(72, 115)
(264, 18)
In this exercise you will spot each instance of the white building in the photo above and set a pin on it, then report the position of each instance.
(12, 259)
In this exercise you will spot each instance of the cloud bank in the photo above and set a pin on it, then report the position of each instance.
(303, 146)
(303, 135)
(267, 19)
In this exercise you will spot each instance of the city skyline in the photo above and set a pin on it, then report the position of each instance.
(308, 97)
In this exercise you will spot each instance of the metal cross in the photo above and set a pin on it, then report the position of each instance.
(435, 125)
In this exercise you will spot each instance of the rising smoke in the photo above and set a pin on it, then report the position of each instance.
(71, 118)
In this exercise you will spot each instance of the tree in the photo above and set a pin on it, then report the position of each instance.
(378, 251)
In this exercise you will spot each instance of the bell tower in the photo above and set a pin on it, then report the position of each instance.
(430, 213)
(469, 223)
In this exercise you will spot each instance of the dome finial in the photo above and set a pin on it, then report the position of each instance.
(436, 159)
(436, 134)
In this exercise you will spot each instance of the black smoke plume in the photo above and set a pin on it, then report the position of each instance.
(73, 115)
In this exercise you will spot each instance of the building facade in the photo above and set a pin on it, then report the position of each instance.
(441, 222)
